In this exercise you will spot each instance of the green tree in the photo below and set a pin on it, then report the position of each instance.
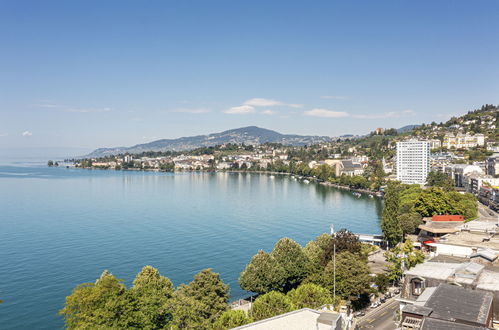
(440, 179)
(342, 240)
(187, 312)
(314, 251)
(208, 289)
(403, 256)
(410, 222)
(290, 256)
(433, 201)
(271, 304)
(262, 274)
(352, 276)
(310, 295)
(231, 319)
(382, 281)
(152, 292)
(103, 304)
(390, 225)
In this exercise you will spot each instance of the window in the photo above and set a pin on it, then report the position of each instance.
(417, 286)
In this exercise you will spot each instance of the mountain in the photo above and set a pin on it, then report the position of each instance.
(247, 135)
(407, 128)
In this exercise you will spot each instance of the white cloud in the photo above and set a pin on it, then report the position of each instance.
(259, 102)
(333, 97)
(326, 113)
(268, 112)
(240, 110)
(27, 133)
(192, 110)
(50, 105)
(392, 114)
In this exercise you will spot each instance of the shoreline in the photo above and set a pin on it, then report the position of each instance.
(299, 177)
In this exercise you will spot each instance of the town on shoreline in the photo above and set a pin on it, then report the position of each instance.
(440, 242)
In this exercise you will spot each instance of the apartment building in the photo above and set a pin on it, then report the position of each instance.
(463, 141)
(413, 161)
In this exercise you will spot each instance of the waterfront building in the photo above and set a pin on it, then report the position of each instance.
(413, 161)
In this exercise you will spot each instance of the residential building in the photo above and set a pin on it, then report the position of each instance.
(435, 144)
(463, 141)
(300, 319)
(421, 280)
(493, 166)
(459, 172)
(449, 307)
(475, 182)
(413, 161)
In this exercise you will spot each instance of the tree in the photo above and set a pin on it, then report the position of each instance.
(409, 222)
(262, 274)
(434, 201)
(352, 276)
(440, 179)
(231, 319)
(103, 304)
(403, 256)
(152, 292)
(390, 224)
(271, 304)
(290, 256)
(188, 313)
(310, 295)
(208, 289)
(345, 241)
(50, 163)
(382, 281)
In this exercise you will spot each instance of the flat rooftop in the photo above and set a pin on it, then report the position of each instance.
(436, 270)
(304, 318)
(471, 239)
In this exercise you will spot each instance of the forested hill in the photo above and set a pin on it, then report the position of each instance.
(246, 135)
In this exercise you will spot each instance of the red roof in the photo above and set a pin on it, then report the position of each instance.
(447, 218)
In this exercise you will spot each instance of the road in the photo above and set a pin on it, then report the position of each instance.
(486, 214)
(381, 317)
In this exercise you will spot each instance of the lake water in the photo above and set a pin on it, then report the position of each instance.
(61, 227)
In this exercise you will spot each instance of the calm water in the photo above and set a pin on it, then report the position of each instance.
(60, 227)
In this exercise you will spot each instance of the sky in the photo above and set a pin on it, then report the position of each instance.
(92, 73)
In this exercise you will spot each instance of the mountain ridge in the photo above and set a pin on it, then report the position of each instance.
(246, 135)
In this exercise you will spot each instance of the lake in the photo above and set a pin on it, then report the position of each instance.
(61, 227)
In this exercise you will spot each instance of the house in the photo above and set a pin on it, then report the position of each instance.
(421, 280)
(300, 319)
(449, 307)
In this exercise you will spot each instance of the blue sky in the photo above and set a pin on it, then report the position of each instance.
(112, 73)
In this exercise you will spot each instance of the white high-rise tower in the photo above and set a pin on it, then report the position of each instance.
(413, 161)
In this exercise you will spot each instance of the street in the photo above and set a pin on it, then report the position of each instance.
(381, 317)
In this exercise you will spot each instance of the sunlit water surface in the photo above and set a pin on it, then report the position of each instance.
(61, 227)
